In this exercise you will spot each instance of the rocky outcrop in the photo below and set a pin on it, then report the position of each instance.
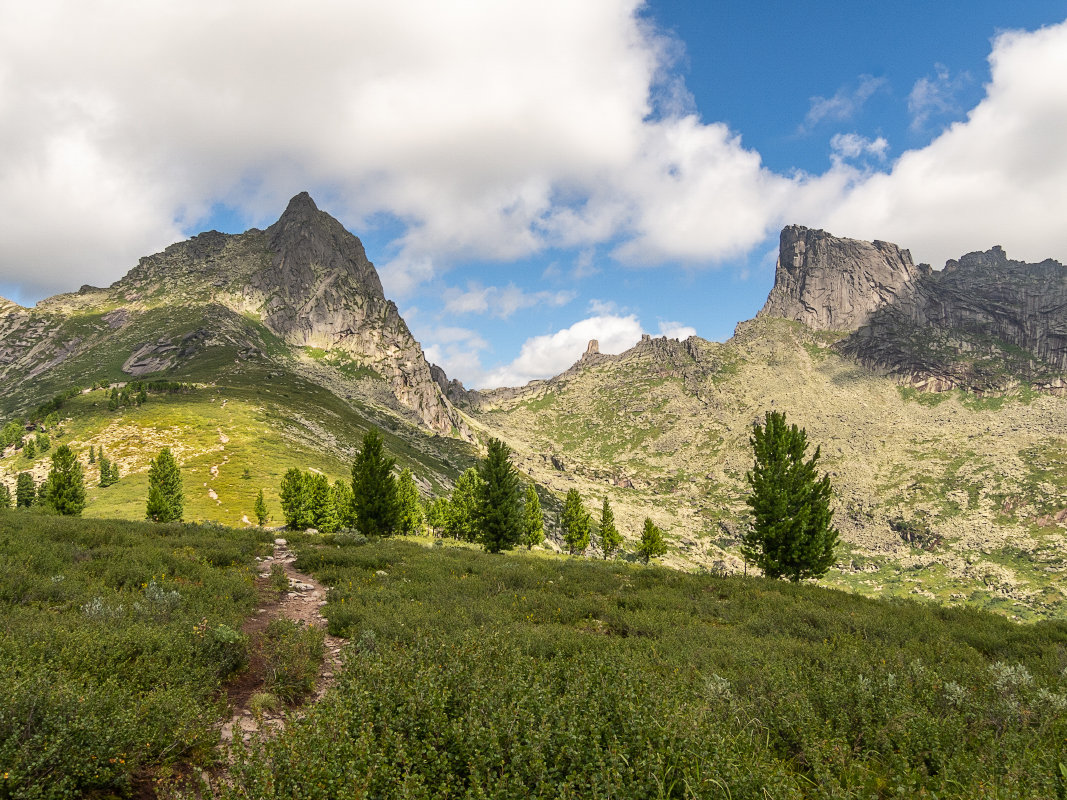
(983, 323)
(829, 283)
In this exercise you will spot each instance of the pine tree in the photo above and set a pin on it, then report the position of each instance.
(791, 534)
(576, 522)
(43, 443)
(25, 490)
(342, 500)
(651, 544)
(260, 510)
(533, 521)
(407, 494)
(462, 518)
(5, 496)
(324, 515)
(374, 489)
(114, 476)
(64, 488)
(165, 497)
(92, 454)
(296, 500)
(499, 513)
(437, 514)
(610, 538)
(29, 449)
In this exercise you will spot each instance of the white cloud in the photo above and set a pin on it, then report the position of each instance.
(500, 302)
(853, 145)
(456, 350)
(844, 104)
(676, 330)
(999, 177)
(936, 95)
(550, 354)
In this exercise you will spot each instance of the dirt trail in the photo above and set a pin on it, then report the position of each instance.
(302, 603)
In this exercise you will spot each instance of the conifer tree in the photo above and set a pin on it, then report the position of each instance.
(652, 544)
(260, 510)
(499, 513)
(92, 454)
(113, 477)
(25, 490)
(29, 448)
(407, 494)
(165, 497)
(610, 538)
(43, 443)
(342, 500)
(296, 500)
(374, 489)
(324, 515)
(5, 496)
(576, 523)
(533, 521)
(64, 488)
(791, 535)
(437, 514)
(461, 521)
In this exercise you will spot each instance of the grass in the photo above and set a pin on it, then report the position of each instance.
(470, 675)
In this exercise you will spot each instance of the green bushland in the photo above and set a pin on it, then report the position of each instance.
(115, 638)
(474, 675)
(291, 654)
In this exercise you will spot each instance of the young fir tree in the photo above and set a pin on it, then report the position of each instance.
(342, 500)
(407, 495)
(29, 448)
(43, 443)
(437, 514)
(791, 535)
(576, 523)
(610, 538)
(165, 497)
(64, 488)
(92, 454)
(113, 475)
(499, 513)
(461, 521)
(5, 496)
(260, 510)
(25, 490)
(533, 521)
(296, 500)
(652, 544)
(324, 515)
(374, 497)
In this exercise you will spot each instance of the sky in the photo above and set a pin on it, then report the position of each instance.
(530, 175)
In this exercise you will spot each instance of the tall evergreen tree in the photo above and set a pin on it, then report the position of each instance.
(462, 518)
(25, 490)
(437, 514)
(165, 497)
(652, 544)
(105, 470)
(791, 535)
(323, 509)
(374, 489)
(576, 523)
(342, 500)
(610, 538)
(29, 448)
(260, 510)
(407, 495)
(92, 454)
(5, 496)
(64, 488)
(296, 500)
(113, 473)
(499, 514)
(533, 521)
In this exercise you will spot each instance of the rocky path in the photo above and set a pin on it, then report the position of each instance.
(302, 603)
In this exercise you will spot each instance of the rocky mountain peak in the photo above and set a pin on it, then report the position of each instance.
(830, 283)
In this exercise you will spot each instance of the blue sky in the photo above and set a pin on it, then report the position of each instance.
(528, 176)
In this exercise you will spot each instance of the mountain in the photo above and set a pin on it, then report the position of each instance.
(983, 323)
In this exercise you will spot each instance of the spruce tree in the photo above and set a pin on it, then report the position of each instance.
(342, 500)
(791, 534)
(29, 448)
(374, 489)
(113, 476)
(64, 488)
(610, 538)
(576, 523)
(324, 515)
(25, 490)
(43, 443)
(533, 521)
(5, 496)
(296, 500)
(92, 454)
(461, 520)
(499, 514)
(260, 510)
(165, 497)
(407, 494)
(652, 543)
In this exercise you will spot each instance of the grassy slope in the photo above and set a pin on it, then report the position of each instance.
(536, 675)
(980, 472)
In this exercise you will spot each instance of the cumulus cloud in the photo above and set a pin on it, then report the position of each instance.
(935, 95)
(676, 330)
(853, 145)
(500, 302)
(998, 177)
(845, 103)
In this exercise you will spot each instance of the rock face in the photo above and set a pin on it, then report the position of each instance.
(983, 323)
(836, 284)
